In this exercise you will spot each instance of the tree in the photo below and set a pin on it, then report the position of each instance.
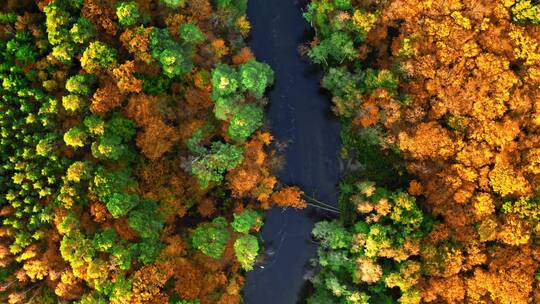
(175, 58)
(211, 238)
(173, 3)
(245, 121)
(225, 81)
(255, 77)
(80, 84)
(246, 249)
(211, 166)
(247, 220)
(128, 13)
(191, 33)
(289, 197)
(73, 103)
(75, 137)
(98, 56)
(116, 190)
(525, 11)
(146, 220)
(82, 31)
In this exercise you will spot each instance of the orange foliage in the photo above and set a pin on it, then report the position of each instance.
(135, 40)
(156, 139)
(106, 98)
(244, 55)
(126, 82)
(100, 15)
(289, 197)
(465, 133)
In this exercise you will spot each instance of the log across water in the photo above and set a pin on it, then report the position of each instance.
(299, 115)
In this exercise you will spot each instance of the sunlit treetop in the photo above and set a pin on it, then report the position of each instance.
(128, 13)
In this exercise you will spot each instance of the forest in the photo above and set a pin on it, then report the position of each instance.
(439, 107)
(137, 162)
(134, 163)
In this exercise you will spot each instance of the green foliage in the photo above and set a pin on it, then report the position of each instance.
(116, 189)
(225, 107)
(237, 6)
(191, 33)
(246, 221)
(146, 220)
(113, 136)
(211, 166)
(338, 48)
(82, 31)
(57, 20)
(98, 56)
(255, 77)
(22, 47)
(76, 249)
(78, 171)
(362, 263)
(245, 121)
(225, 81)
(73, 103)
(246, 249)
(173, 3)
(147, 250)
(80, 84)
(105, 240)
(211, 238)
(128, 13)
(332, 235)
(75, 137)
(526, 11)
(175, 58)
(343, 4)
(9, 17)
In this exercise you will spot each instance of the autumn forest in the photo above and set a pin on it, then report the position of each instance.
(138, 162)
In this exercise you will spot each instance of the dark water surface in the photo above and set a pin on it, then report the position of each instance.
(299, 113)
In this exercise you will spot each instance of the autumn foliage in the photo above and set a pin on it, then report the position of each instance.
(452, 86)
(117, 169)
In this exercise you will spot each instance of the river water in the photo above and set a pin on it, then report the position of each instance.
(299, 115)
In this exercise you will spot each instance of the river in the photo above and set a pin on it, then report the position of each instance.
(299, 115)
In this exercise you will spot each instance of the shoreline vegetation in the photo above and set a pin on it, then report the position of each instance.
(439, 109)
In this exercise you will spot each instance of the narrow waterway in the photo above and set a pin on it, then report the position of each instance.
(299, 115)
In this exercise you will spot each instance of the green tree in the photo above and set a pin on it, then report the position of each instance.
(246, 249)
(98, 56)
(78, 171)
(211, 238)
(73, 102)
(191, 33)
(238, 6)
(225, 81)
(105, 240)
(339, 47)
(255, 77)
(75, 137)
(128, 13)
(146, 220)
(245, 121)
(526, 11)
(174, 58)
(82, 31)
(116, 189)
(247, 220)
(211, 166)
(173, 3)
(80, 84)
